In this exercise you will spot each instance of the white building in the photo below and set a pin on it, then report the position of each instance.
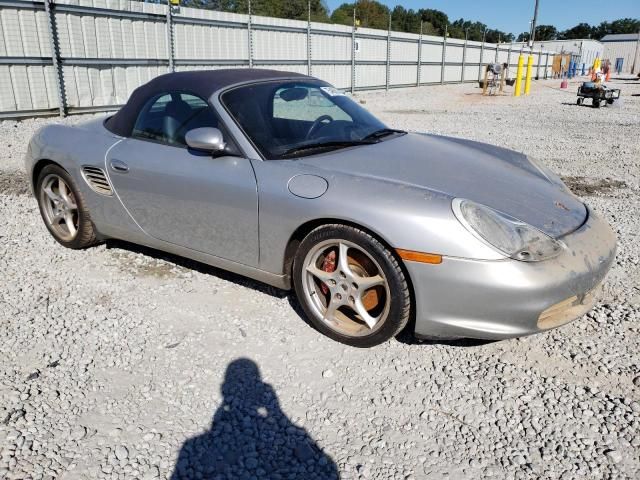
(583, 50)
(625, 46)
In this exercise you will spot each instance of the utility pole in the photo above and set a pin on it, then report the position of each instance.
(532, 37)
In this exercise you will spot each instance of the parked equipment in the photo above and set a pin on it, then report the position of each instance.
(599, 94)
(494, 78)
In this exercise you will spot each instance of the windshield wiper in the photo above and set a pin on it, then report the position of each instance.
(383, 132)
(325, 145)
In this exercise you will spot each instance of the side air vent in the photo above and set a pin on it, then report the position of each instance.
(97, 180)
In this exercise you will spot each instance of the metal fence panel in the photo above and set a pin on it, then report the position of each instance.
(452, 73)
(403, 74)
(371, 49)
(431, 53)
(330, 48)
(404, 51)
(454, 53)
(503, 55)
(270, 45)
(341, 74)
(470, 72)
(473, 55)
(370, 76)
(430, 74)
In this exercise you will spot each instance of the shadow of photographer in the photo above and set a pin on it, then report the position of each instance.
(251, 437)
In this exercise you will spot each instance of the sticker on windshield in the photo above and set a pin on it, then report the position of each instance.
(332, 92)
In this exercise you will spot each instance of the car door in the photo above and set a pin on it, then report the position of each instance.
(182, 196)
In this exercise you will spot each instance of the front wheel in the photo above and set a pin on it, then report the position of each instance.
(63, 209)
(351, 286)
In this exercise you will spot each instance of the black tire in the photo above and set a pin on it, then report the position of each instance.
(579, 101)
(596, 103)
(399, 301)
(86, 234)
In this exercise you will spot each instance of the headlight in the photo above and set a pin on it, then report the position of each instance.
(506, 234)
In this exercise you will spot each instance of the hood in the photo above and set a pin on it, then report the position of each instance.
(499, 178)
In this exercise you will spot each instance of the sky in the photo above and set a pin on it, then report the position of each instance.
(514, 15)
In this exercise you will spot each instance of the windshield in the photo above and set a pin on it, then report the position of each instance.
(292, 119)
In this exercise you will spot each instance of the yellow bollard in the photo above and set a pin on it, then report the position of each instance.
(516, 92)
(527, 82)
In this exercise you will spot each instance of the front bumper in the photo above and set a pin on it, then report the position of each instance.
(495, 299)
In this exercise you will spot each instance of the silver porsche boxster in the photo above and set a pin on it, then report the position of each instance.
(282, 178)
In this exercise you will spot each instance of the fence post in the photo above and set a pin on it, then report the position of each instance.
(546, 67)
(444, 54)
(509, 55)
(170, 51)
(481, 55)
(388, 74)
(464, 55)
(250, 37)
(353, 53)
(52, 28)
(538, 65)
(419, 56)
(309, 38)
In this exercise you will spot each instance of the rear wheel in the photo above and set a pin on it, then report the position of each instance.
(63, 209)
(350, 286)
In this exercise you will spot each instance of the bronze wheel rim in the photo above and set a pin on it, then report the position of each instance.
(346, 288)
(59, 207)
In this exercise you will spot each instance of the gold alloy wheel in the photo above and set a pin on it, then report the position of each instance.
(346, 288)
(59, 207)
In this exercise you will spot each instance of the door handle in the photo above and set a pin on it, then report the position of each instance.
(119, 166)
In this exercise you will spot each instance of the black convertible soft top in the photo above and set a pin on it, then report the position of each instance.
(202, 83)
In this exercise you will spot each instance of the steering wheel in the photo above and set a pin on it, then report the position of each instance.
(320, 121)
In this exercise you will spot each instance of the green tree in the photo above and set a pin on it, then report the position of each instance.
(291, 9)
(370, 13)
(498, 36)
(546, 32)
(439, 20)
(622, 25)
(475, 30)
(582, 30)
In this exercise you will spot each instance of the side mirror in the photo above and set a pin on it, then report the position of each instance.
(206, 139)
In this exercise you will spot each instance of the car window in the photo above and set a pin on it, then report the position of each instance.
(310, 107)
(168, 117)
(279, 117)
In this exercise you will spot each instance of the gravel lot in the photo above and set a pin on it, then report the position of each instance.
(120, 362)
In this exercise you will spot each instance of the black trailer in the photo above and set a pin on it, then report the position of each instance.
(599, 94)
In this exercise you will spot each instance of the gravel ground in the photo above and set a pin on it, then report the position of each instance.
(119, 362)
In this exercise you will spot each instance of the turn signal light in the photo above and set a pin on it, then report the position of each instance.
(419, 256)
